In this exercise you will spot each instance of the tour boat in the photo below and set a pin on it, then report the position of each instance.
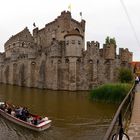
(43, 125)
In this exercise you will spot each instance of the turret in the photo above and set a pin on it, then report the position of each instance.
(125, 55)
(74, 44)
(93, 48)
(109, 49)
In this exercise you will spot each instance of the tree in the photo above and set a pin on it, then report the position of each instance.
(112, 41)
(125, 75)
(109, 40)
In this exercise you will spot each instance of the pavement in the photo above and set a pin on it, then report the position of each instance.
(134, 127)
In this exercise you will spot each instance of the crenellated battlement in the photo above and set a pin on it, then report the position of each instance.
(93, 44)
(125, 55)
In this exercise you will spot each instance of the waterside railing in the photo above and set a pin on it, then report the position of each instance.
(121, 118)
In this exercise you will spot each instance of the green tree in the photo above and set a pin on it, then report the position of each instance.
(125, 75)
(107, 40)
(112, 41)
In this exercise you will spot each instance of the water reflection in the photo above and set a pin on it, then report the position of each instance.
(74, 116)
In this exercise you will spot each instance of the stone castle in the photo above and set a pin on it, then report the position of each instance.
(55, 57)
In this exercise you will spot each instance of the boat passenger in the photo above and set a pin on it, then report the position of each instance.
(18, 112)
(9, 109)
(24, 114)
(2, 106)
(39, 120)
(35, 121)
(30, 119)
(13, 113)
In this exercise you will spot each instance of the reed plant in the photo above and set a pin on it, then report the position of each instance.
(110, 92)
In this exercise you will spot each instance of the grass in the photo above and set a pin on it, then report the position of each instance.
(110, 92)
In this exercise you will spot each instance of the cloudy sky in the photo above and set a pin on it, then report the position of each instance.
(103, 18)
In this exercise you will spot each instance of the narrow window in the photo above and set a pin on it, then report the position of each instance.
(73, 42)
(79, 43)
(67, 42)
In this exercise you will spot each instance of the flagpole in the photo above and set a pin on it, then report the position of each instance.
(81, 15)
(69, 7)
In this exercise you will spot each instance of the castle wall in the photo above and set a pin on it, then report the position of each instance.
(57, 29)
(54, 58)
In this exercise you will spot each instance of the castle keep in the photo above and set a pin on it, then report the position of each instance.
(54, 57)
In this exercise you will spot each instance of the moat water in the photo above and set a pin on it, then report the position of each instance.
(73, 115)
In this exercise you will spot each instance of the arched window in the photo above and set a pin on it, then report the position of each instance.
(33, 63)
(23, 44)
(78, 60)
(59, 61)
(77, 30)
(90, 61)
(66, 60)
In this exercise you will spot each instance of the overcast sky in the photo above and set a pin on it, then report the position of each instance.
(103, 18)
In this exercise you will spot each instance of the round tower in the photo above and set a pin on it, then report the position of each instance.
(74, 44)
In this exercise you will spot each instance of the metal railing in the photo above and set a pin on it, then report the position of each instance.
(120, 120)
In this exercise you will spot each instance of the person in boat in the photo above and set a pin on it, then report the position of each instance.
(9, 110)
(5, 106)
(13, 113)
(30, 119)
(18, 112)
(2, 106)
(37, 120)
(25, 114)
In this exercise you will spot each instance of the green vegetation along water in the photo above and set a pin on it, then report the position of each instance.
(111, 92)
(74, 116)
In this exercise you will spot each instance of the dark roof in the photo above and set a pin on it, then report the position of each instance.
(73, 33)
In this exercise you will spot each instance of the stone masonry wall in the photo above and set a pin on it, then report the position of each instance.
(54, 58)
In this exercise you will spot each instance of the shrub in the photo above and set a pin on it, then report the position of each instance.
(125, 75)
(110, 92)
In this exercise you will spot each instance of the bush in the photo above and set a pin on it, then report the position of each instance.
(125, 75)
(110, 92)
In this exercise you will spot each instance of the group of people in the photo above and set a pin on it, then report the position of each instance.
(21, 113)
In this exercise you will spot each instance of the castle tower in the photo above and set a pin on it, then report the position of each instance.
(93, 60)
(57, 29)
(125, 56)
(74, 44)
(73, 50)
(109, 51)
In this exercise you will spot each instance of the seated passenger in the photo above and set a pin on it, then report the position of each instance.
(18, 112)
(35, 122)
(13, 113)
(30, 119)
(9, 110)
